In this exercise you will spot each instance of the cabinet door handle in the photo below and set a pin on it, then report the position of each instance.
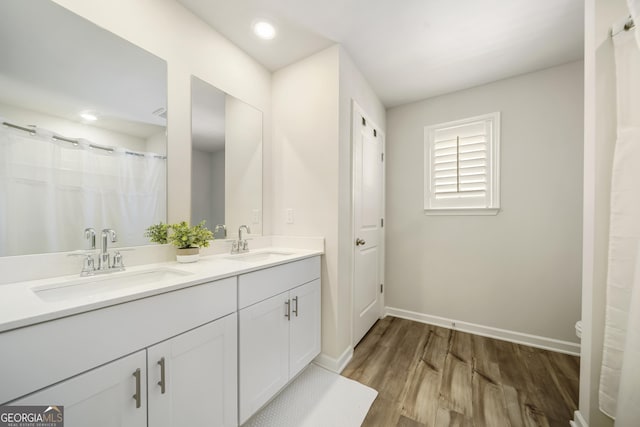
(287, 312)
(295, 310)
(162, 383)
(137, 396)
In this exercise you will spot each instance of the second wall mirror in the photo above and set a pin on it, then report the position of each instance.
(226, 160)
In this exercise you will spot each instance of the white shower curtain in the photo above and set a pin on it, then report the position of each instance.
(50, 191)
(620, 376)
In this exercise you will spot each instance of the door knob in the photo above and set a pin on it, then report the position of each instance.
(360, 242)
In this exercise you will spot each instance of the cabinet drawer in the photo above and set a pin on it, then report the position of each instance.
(36, 356)
(260, 285)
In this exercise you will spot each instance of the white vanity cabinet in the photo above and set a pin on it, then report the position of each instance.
(182, 381)
(279, 329)
(166, 360)
(103, 397)
(193, 377)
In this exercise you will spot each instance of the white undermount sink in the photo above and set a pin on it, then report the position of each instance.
(99, 284)
(260, 256)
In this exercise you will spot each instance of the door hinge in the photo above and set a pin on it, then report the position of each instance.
(381, 287)
(364, 121)
(382, 157)
(382, 222)
(375, 133)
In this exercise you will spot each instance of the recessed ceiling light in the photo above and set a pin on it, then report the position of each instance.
(265, 30)
(89, 117)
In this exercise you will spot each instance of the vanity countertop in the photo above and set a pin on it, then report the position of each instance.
(24, 303)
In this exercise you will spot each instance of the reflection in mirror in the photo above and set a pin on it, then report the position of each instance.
(226, 166)
(83, 139)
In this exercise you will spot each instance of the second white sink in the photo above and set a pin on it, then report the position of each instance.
(260, 256)
(95, 285)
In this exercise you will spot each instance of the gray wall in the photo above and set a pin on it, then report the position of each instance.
(519, 270)
(208, 187)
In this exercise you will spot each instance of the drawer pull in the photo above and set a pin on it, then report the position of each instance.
(137, 396)
(162, 383)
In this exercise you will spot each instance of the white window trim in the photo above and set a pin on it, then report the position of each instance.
(493, 174)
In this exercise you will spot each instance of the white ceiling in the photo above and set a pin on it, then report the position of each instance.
(409, 49)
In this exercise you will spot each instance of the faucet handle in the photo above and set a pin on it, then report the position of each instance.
(88, 264)
(90, 234)
(219, 227)
(117, 261)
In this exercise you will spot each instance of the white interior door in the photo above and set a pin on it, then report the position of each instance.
(368, 221)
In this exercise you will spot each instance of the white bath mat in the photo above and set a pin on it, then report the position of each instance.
(317, 398)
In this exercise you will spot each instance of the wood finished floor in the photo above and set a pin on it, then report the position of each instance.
(431, 376)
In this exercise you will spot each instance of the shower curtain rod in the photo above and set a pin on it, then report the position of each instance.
(629, 24)
(32, 131)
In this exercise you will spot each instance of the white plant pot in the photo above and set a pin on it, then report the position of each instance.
(187, 255)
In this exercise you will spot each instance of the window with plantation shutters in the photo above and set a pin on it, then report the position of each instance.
(462, 167)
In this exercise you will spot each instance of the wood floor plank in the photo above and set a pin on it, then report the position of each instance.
(422, 398)
(367, 349)
(561, 383)
(544, 389)
(566, 365)
(456, 387)
(403, 361)
(513, 373)
(519, 412)
(449, 418)
(408, 422)
(383, 412)
(430, 376)
(435, 349)
(489, 406)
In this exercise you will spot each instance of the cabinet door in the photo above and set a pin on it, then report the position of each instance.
(305, 326)
(264, 353)
(198, 370)
(102, 397)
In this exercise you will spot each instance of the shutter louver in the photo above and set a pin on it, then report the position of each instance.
(460, 161)
(461, 165)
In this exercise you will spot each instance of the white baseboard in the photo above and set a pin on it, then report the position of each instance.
(488, 331)
(335, 365)
(578, 420)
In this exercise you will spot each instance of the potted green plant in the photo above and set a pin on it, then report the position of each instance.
(158, 233)
(189, 239)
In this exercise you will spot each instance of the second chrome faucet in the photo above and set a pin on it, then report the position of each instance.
(241, 245)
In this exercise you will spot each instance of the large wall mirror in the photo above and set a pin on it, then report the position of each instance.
(226, 161)
(83, 134)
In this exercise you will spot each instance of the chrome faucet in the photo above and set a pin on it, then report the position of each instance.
(219, 227)
(104, 257)
(241, 245)
(103, 261)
